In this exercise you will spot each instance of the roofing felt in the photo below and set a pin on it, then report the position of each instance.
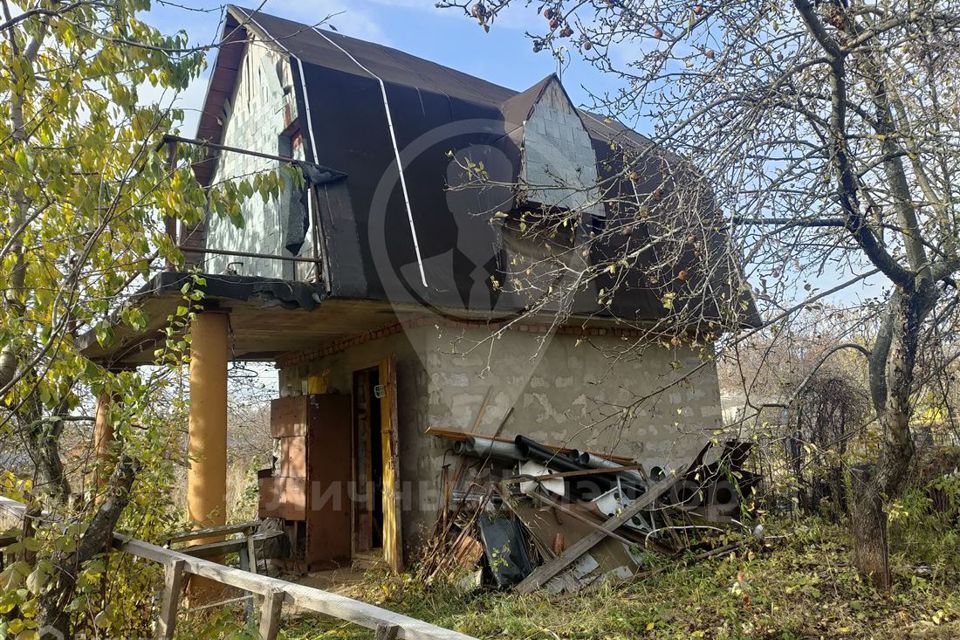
(435, 110)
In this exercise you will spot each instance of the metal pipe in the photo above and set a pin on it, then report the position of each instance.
(480, 447)
(331, 176)
(596, 462)
(246, 254)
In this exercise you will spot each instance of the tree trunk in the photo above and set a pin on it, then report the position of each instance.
(892, 364)
(52, 614)
(869, 529)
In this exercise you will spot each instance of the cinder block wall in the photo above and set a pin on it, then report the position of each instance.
(563, 389)
(558, 151)
(258, 112)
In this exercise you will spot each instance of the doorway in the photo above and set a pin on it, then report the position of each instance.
(368, 461)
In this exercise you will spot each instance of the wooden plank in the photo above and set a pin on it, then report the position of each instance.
(219, 549)
(270, 615)
(172, 585)
(542, 574)
(288, 416)
(252, 554)
(316, 600)
(212, 532)
(328, 513)
(389, 430)
(585, 520)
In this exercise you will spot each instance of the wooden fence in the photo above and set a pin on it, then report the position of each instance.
(275, 593)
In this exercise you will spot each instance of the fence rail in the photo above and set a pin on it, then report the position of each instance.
(275, 593)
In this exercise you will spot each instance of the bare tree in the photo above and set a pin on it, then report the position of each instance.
(817, 142)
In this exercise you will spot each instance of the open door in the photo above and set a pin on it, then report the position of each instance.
(392, 542)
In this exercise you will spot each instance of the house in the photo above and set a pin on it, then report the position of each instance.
(389, 299)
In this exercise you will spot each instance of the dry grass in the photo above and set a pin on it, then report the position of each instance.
(805, 588)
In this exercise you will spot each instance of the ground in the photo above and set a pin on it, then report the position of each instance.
(803, 586)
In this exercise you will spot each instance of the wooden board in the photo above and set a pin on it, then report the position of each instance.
(293, 457)
(392, 526)
(549, 569)
(271, 491)
(329, 508)
(316, 600)
(288, 416)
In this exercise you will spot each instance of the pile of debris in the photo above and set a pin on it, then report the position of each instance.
(516, 513)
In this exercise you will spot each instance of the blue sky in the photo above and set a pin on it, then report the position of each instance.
(504, 55)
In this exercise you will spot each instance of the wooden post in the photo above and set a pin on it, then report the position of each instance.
(270, 615)
(207, 448)
(102, 439)
(251, 552)
(386, 631)
(172, 584)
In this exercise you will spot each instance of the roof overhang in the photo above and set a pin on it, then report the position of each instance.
(268, 317)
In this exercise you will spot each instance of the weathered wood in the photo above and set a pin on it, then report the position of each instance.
(331, 604)
(542, 574)
(390, 445)
(585, 520)
(252, 554)
(172, 585)
(211, 532)
(270, 614)
(264, 541)
(386, 632)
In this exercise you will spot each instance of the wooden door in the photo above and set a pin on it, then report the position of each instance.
(392, 541)
(328, 508)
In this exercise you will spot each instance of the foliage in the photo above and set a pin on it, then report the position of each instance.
(83, 204)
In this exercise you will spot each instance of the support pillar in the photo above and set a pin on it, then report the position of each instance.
(207, 447)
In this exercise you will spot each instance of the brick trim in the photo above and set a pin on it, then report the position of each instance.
(293, 359)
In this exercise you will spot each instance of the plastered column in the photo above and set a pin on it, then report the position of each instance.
(207, 447)
(207, 444)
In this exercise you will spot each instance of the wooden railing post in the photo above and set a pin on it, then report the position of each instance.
(270, 614)
(172, 585)
(386, 632)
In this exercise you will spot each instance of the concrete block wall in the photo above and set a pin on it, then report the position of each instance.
(563, 389)
(259, 111)
(557, 150)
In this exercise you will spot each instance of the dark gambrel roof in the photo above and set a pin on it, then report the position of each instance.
(435, 110)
